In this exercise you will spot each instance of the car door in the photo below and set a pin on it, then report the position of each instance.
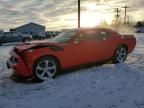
(103, 46)
(82, 50)
(74, 53)
(94, 46)
(87, 47)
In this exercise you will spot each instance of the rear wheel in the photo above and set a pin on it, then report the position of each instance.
(45, 68)
(120, 54)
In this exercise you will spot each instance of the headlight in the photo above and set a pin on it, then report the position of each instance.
(13, 60)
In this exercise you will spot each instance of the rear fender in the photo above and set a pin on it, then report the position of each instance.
(130, 41)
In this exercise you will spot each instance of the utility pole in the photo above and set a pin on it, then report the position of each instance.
(78, 13)
(125, 16)
(117, 10)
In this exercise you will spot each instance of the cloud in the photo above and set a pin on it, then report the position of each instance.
(55, 13)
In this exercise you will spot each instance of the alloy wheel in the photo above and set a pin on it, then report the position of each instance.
(46, 69)
(121, 54)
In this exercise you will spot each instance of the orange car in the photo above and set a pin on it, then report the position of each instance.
(71, 48)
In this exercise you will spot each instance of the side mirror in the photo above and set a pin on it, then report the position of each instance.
(104, 35)
(76, 41)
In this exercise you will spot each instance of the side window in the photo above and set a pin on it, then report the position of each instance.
(88, 35)
(103, 35)
(92, 35)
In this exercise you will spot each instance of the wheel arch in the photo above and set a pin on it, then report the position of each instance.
(124, 45)
(114, 54)
(35, 76)
(52, 56)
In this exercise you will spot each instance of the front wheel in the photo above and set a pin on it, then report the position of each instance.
(120, 54)
(45, 68)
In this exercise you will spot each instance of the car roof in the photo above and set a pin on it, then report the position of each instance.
(87, 29)
(105, 29)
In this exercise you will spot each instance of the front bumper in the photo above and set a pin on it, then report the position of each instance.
(16, 63)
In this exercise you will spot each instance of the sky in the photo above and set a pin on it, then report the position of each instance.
(62, 14)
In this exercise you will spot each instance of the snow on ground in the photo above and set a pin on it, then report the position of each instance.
(105, 86)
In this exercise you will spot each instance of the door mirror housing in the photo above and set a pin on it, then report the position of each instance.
(76, 42)
(78, 39)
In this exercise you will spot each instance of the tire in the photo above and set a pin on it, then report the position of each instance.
(0, 43)
(23, 40)
(45, 68)
(120, 54)
(26, 39)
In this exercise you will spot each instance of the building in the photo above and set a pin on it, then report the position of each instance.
(30, 28)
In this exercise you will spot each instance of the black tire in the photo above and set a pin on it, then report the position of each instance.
(23, 40)
(120, 54)
(0, 43)
(29, 39)
(26, 39)
(45, 68)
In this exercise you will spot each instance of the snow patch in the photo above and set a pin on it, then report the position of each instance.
(106, 86)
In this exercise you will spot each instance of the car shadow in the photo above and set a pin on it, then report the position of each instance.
(61, 73)
(17, 79)
(87, 66)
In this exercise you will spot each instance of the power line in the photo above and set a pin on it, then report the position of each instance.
(117, 10)
(125, 16)
(78, 13)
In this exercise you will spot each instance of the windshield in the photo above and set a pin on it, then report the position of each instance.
(64, 36)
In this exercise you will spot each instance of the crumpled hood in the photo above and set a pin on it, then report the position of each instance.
(36, 45)
(39, 42)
